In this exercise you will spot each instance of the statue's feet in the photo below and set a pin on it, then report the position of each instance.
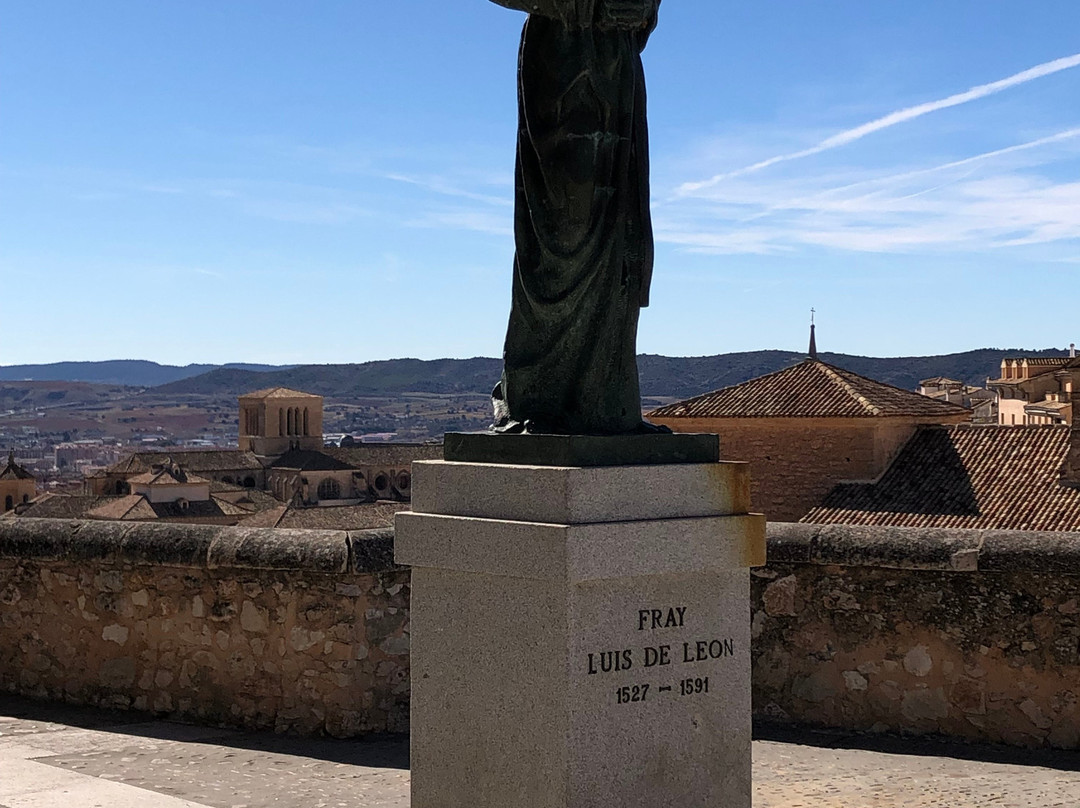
(508, 427)
(645, 428)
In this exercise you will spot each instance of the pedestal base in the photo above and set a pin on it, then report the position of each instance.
(590, 662)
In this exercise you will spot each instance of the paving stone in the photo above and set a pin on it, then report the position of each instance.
(54, 756)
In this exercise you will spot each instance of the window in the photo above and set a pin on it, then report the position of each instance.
(329, 489)
(9, 502)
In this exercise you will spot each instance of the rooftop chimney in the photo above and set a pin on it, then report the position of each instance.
(1072, 350)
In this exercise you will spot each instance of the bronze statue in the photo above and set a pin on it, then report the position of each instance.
(582, 225)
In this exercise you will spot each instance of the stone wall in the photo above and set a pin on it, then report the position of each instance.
(969, 634)
(296, 631)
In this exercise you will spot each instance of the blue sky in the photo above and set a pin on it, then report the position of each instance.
(332, 181)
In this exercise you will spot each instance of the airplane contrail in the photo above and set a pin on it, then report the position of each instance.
(894, 118)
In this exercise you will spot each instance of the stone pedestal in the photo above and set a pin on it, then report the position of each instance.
(580, 636)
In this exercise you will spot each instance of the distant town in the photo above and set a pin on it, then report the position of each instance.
(824, 442)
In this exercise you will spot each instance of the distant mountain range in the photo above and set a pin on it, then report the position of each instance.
(127, 372)
(661, 376)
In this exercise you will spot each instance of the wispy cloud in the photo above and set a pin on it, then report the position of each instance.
(1009, 197)
(895, 179)
(892, 119)
(476, 221)
(444, 187)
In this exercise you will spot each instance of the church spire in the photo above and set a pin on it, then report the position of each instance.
(813, 337)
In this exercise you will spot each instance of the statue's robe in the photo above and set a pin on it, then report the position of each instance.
(582, 226)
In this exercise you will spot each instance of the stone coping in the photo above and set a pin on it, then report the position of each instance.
(941, 549)
(327, 552)
(335, 552)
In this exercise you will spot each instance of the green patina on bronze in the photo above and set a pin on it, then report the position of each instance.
(582, 225)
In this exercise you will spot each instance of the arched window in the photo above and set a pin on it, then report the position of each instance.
(25, 498)
(249, 482)
(329, 489)
(306, 422)
(289, 421)
(9, 502)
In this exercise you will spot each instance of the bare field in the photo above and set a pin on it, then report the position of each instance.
(70, 411)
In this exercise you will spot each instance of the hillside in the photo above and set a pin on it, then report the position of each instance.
(681, 377)
(128, 372)
(661, 376)
(442, 376)
(20, 397)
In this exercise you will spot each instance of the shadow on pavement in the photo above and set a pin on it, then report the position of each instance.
(378, 751)
(928, 745)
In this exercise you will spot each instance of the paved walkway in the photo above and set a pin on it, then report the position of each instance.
(52, 756)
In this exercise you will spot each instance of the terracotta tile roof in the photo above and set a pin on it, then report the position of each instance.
(62, 506)
(251, 499)
(1041, 361)
(167, 476)
(1048, 406)
(268, 518)
(192, 510)
(810, 389)
(132, 506)
(965, 476)
(277, 392)
(385, 454)
(338, 517)
(309, 460)
(194, 460)
(14, 471)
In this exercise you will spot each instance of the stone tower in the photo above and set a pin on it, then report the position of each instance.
(277, 419)
(17, 485)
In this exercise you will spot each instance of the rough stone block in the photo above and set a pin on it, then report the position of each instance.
(322, 551)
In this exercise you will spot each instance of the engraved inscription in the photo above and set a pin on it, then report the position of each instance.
(659, 656)
(661, 618)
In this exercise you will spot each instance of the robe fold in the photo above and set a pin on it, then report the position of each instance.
(583, 232)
